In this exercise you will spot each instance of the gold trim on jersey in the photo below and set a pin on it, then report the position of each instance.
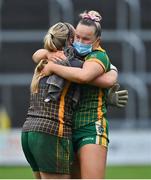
(99, 110)
(100, 116)
(100, 49)
(97, 61)
(104, 135)
(61, 109)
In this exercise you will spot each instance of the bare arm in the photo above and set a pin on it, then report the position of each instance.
(39, 55)
(87, 73)
(45, 54)
(105, 80)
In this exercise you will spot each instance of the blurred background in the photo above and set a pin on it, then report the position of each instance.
(126, 37)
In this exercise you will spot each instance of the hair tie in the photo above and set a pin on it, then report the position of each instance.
(91, 17)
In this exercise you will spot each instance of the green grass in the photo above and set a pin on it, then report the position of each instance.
(128, 172)
(113, 172)
(15, 173)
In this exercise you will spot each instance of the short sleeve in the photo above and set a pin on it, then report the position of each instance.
(101, 58)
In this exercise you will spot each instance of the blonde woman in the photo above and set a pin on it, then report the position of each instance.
(47, 133)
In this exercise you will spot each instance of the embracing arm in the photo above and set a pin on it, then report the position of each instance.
(108, 79)
(87, 73)
(105, 80)
(45, 54)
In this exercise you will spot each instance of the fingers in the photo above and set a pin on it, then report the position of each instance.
(121, 105)
(59, 55)
(122, 102)
(123, 98)
(122, 92)
(55, 59)
(122, 95)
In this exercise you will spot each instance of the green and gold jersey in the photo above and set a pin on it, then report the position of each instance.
(92, 106)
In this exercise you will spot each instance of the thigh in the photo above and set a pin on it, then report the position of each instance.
(92, 161)
(28, 152)
(53, 154)
(94, 133)
(91, 143)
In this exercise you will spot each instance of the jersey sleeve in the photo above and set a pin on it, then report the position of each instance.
(101, 58)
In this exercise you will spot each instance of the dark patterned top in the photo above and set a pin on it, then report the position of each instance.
(53, 117)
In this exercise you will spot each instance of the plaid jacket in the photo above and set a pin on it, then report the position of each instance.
(53, 117)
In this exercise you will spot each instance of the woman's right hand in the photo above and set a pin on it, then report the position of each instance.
(56, 56)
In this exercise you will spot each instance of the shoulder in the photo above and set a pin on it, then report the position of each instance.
(99, 55)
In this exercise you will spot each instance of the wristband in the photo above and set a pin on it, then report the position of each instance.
(112, 67)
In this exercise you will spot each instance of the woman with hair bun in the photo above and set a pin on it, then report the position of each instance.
(89, 123)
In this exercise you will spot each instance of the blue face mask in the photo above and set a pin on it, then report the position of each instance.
(82, 49)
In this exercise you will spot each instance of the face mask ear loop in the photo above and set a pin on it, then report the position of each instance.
(94, 42)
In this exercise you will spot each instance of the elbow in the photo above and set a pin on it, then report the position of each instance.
(39, 55)
(34, 58)
(112, 79)
(110, 82)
